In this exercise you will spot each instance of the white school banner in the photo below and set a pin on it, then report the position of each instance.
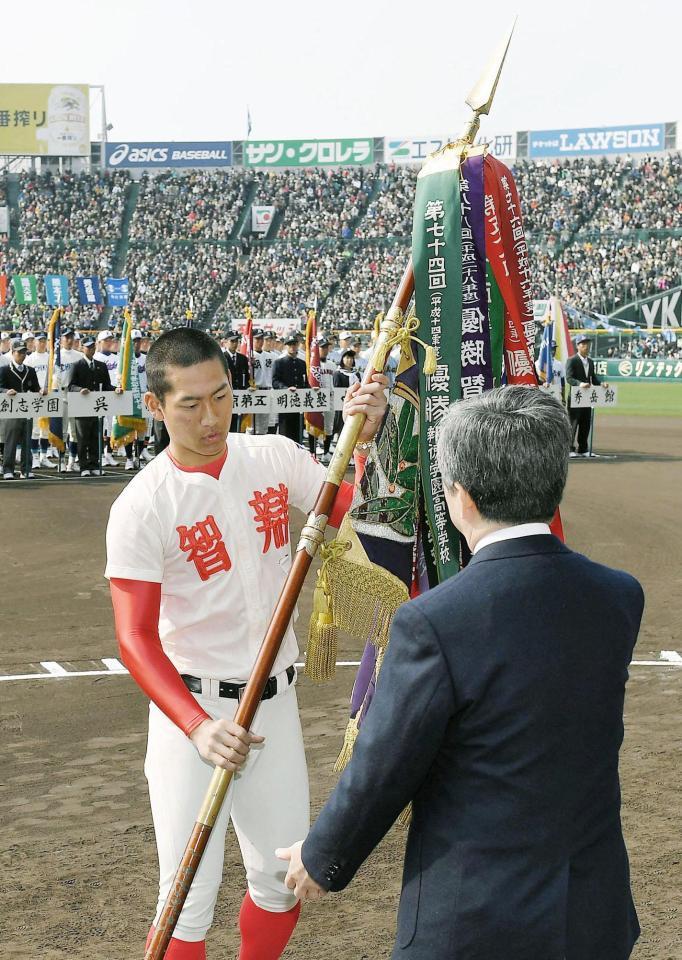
(594, 397)
(104, 404)
(288, 401)
(23, 406)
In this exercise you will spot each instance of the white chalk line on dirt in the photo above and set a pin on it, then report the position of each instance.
(114, 667)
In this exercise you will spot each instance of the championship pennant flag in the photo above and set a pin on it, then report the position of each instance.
(3, 289)
(25, 289)
(56, 290)
(117, 291)
(314, 422)
(89, 291)
(126, 428)
(54, 425)
(473, 301)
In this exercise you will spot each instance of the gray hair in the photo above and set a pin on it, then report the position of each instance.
(508, 448)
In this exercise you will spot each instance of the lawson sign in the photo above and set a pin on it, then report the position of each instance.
(597, 140)
(133, 156)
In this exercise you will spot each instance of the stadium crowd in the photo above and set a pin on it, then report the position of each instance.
(339, 237)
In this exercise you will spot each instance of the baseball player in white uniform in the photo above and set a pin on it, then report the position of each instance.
(263, 362)
(40, 443)
(197, 552)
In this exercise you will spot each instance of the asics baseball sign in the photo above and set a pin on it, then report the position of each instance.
(146, 155)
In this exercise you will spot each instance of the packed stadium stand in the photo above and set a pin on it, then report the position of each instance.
(601, 233)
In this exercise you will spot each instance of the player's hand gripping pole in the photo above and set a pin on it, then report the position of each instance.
(312, 536)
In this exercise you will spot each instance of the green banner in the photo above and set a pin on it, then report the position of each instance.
(25, 289)
(308, 153)
(437, 258)
(126, 428)
(667, 371)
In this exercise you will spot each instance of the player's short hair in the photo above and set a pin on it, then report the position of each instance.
(182, 347)
(509, 449)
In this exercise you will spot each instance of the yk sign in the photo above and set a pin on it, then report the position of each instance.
(307, 153)
(593, 397)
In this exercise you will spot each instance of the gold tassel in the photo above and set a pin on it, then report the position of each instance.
(323, 634)
(429, 361)
(405, 818)
(349, 738)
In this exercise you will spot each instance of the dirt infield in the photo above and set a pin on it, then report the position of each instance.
(76, 848)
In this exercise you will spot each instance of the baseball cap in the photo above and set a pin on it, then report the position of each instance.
(323, 342)
(69, 332)
(259, 333)
(105, 335)
(41, 336)
(18, 345)
(584, 339)
(28, 335)
(137, 335)
(232, 336)
(553, 343)
(5, 335)
(292, 338)
(89, 342)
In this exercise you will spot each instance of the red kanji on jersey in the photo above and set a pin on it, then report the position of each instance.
(203, 544)
(271, 512)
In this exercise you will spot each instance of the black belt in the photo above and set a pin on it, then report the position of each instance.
(235, 691)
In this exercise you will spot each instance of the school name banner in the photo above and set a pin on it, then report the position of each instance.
(288, 401)
(63, 404)
(594, 397)
(308, 153)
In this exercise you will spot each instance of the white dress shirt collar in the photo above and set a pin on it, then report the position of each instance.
(513, 533)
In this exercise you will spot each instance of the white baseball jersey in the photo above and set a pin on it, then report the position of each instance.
(220, 549)
(110, 360)
(39, 362)
(263, 363)
(67, 358)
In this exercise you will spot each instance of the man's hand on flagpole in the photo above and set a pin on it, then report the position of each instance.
(298, 879)
(370, 399)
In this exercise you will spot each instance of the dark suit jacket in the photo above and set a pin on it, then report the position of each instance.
(25, 382)
(499, 713)
(239, 371)
(575, 373)
(289, 372)
(82, 377)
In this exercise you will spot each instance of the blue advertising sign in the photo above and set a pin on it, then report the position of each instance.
(645, 138)
(168, 154)
(117, 291)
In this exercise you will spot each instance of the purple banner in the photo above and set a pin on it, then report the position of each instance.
(477, 367)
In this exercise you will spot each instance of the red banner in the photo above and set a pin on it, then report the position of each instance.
(3, 289)
(314, 422)
(507, 253)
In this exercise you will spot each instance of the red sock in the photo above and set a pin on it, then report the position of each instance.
(180, 949)
(265, 934)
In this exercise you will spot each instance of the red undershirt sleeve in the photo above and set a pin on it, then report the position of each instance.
(136, 614)
(344, 497)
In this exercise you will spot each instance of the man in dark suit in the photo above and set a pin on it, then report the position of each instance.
(499, 715)
(289, 373)
(239, 372)
(18, 377)
(580, 373)
(89, 375)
